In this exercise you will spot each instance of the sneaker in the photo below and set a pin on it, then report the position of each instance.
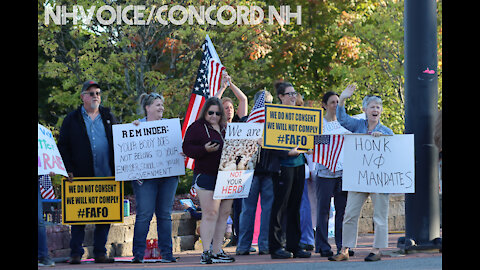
(339, 257)
(239, 252)
(75, 260)
(46, 262)
(221, 257)
(372, 257)
(307, 247)
(137, 260)
(168, 259)
(206, 257)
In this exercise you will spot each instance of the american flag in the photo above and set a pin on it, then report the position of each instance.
(207, 83)
(46, 188)
(327, 150)
(257, 115)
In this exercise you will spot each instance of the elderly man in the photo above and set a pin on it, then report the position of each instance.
(86, 146)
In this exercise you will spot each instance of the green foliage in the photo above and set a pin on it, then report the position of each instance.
(338, 43)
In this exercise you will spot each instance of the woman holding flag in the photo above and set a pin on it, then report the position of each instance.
(329, 183)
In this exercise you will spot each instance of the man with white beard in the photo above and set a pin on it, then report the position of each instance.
(86, 146)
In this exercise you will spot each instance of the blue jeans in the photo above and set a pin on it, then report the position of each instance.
(260, 184)
(306, 218)
(326, 188)
(154, 196)
(42, 233)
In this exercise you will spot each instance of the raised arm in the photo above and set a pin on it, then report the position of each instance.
(347, 93)
(242, 108)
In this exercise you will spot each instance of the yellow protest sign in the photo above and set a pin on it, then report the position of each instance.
(289, 126)
(97, 200)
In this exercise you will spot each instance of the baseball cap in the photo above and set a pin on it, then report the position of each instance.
(89, 83)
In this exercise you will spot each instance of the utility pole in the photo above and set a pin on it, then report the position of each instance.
(422, 208)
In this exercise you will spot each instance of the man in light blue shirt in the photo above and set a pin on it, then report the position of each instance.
(86, 146)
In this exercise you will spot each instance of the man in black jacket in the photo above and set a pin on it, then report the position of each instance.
(86, 146)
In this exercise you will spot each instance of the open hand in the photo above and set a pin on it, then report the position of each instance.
(348, 92)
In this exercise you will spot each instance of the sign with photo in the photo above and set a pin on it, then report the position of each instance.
(239, 157)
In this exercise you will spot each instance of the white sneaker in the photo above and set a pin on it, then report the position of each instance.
(221, 257)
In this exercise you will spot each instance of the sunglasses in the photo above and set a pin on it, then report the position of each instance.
(292, 94)
(92, 94)
(212, 112)
(155, 95)
(374, 96)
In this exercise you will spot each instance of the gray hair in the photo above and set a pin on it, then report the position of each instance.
(369, 98)
(268, 96)
(147, 99)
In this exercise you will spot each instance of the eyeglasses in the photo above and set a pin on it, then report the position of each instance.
(212, 112)
(92, 94)
(292, 94)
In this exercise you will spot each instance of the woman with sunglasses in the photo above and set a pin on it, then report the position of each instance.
(203, 142)
(287, 192)
(153, 195)
(372, 106)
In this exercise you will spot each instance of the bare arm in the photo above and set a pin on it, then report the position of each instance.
(242, 109)
(348, 92)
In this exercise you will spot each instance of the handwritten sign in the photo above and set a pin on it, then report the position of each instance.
(97, 200)
(384, 164)
(149, 150)
(238, 160)
(289, 126)
(49, 159)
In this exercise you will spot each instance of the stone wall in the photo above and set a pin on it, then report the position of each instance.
(184, 236)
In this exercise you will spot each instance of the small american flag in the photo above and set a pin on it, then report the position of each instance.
(46, 188)
(327, 150)
(257, 115)
(207, 83)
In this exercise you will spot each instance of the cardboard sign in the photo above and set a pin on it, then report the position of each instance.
(384, 164)
(49, 159)
(97, 200)
(289, 126)
(149, 150)
(239, 157)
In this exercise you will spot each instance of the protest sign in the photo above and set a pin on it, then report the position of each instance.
(150, 150)
(238, 160)
(97, 200)
(289, 126)
(384, 164)
(49, 159)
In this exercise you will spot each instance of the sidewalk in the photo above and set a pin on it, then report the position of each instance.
(191, 258)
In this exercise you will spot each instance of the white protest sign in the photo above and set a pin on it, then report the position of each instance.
(237, 164)
(150, 150)
(384, 164)
(49, 159)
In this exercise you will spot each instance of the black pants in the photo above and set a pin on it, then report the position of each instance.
(287, 191)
